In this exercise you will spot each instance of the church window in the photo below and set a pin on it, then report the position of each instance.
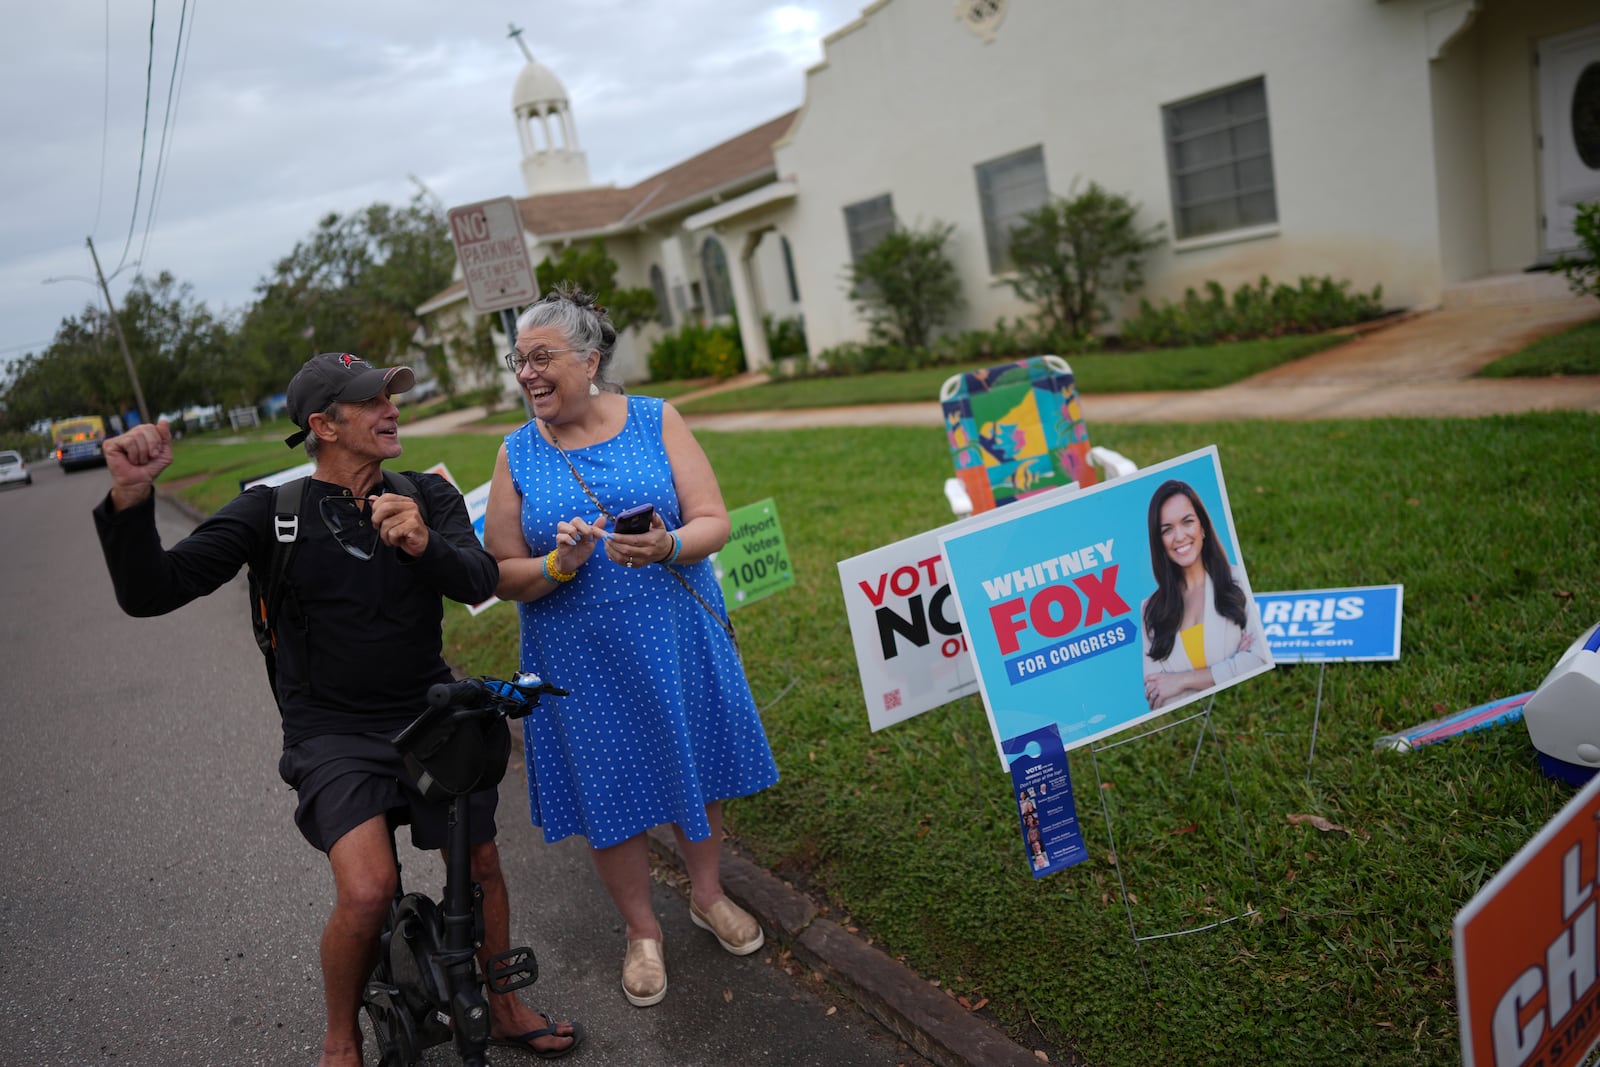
(868, 222)
(1009, 188)
(658, 286)
(788, 270)
(1219, 156)
(714, 265)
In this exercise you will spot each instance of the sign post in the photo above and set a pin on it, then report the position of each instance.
(494, 261)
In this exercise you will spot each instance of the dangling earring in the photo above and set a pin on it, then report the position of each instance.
(594, 390)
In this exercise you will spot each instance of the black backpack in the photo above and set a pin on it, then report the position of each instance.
(267, 593)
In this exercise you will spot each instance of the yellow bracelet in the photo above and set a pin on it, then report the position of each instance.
(555, 575)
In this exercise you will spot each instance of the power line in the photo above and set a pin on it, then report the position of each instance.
(144, 136)
(180, 47)
(7, 350)
(105, 124)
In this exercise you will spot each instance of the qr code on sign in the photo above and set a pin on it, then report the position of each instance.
(891, 700)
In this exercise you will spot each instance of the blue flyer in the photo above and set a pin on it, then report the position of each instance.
(1332, 625)
(1046, 814)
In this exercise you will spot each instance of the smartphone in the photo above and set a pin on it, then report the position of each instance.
(635, 520)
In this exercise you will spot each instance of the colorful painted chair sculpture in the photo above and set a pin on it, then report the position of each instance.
(1014, 430)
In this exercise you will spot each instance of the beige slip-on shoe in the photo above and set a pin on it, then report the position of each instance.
(734, 928)
(644, 973)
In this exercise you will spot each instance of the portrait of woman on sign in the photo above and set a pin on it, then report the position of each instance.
(1201, 627)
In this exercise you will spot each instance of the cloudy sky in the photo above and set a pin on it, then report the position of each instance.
(286, 111)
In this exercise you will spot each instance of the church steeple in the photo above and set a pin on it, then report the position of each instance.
(552, 162)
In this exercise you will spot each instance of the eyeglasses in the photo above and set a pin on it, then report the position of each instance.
(346, 517)
(539, 357)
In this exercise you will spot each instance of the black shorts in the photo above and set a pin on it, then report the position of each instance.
(343, 780)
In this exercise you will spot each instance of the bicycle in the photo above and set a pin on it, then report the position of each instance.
(425, 989)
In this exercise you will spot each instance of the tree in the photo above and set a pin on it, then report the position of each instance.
(591, 268)
(181, 352)
(1076, 251)
(905, 285)
(352, 286)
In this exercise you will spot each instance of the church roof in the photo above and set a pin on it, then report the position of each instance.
(741, 160)
(732, 167)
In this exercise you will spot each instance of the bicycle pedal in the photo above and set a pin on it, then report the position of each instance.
(512, 969)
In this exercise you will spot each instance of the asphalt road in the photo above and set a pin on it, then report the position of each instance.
(157, 906)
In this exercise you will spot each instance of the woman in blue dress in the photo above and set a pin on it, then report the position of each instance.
(660, 727)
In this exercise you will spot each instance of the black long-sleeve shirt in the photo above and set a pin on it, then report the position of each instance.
(366, 641)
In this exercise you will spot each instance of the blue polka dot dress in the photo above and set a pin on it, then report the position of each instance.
(660, 720)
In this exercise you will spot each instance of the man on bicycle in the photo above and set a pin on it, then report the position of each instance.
(358, 643)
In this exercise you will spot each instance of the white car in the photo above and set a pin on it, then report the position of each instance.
(13, 468)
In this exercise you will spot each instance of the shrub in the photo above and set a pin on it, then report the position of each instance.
(697, 350)
(1260, 310)
(905, 285)
(853, 357)
(1074, 252)
(785, 337)
(1583, 273)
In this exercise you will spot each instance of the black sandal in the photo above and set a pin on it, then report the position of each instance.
(524, 1042)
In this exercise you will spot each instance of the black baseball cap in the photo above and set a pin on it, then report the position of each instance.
(338, 378)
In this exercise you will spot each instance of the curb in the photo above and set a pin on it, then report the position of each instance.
(930, 1021)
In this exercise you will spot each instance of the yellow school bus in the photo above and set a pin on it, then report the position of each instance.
(77, 441)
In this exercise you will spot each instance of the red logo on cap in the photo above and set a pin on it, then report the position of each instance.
(348, 360)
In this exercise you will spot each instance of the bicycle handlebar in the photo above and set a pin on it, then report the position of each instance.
(494, 696)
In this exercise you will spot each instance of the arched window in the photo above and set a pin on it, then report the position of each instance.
(658, 286)
(788, 270)
(714, 265)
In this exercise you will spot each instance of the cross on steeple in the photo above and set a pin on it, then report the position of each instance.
(516, 35)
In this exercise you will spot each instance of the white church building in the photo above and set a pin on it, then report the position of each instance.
(1438, 148)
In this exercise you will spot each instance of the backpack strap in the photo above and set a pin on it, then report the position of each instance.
(268, 588)
(285, 531)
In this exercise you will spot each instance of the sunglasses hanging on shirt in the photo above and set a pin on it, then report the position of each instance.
(349, 519)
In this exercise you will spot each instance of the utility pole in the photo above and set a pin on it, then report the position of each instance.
(127, 358)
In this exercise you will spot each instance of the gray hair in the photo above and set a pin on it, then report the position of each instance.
(581, 320)
(334, 413)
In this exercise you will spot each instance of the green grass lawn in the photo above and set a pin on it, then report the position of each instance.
(1099, 372)
(909, 834)
(1574, 351)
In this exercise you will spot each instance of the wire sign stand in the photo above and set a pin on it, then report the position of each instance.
(1206, 726)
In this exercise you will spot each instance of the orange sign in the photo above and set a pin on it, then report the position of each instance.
(1526, 953)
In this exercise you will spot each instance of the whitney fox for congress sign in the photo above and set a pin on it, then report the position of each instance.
(1096, 610)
